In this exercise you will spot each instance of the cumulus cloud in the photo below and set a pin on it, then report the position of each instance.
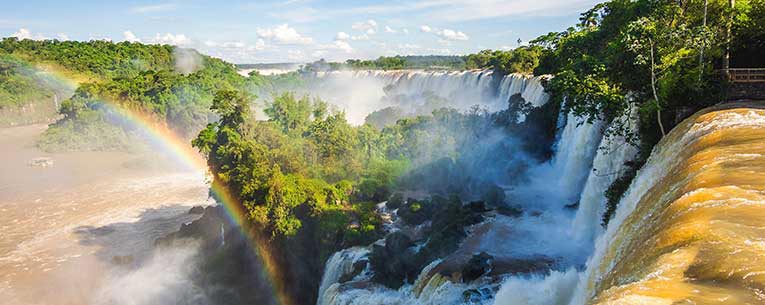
(62, 36)
(342, 46)
(24, 33)
(130, 37)
(445, 35)
(365, 26)
(283, 34)
(390, 30)
(171, 39)
(452, 35)
(342, 36)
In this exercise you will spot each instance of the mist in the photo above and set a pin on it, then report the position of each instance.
(187, 61)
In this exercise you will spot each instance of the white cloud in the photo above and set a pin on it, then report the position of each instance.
(445, 34)
(371, 32)
(390, 30)
(365, 26)
(130, 37)
(24, 33)
(343, 46)
(144, 9)
(171, 39)
(452, 34)
(62, 36)
(283, 34)
(342, 36)
(461, 10)
(360, 37)
(405, 31)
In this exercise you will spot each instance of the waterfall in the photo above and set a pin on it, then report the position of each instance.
(676, 171)
(561, 181)
(362, 92)
(606, 168)
(339, 264)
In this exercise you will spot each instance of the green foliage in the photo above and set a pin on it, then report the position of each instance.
(519, 60)
(141, 78)
(96, 58)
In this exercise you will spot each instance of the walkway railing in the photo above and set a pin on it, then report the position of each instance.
(745, 75)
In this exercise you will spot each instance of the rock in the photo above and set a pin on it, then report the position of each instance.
(397, 242)
(510, 211)
(395, 201)
(572, 206)
(476, 206)
(41, 162)
(197, 210)
(477, 266)
(394, 262)
(122, 259)
(358, 267)
(517, 266)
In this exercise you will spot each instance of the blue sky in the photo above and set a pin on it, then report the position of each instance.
(297, 30)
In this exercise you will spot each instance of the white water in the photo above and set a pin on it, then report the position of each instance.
(340, 263)
(551, 230)
(359, 93)
(655, 169)
(606, 168)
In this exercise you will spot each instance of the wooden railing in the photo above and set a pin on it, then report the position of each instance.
(744, 75)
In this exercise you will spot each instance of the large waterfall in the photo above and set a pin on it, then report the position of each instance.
(549, 230)
(362, 92)
(690, 220)
(689, 229)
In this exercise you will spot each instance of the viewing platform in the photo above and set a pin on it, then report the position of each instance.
(746, 83)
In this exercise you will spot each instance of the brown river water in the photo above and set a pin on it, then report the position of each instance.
(71, 228)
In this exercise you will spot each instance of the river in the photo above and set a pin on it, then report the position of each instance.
(71, 229)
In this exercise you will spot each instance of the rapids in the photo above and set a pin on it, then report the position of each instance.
(689, 230)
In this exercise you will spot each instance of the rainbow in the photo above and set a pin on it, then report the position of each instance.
(161, 137)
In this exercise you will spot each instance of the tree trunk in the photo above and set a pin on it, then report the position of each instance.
(728, 26)
(704, 43)
(655, 94)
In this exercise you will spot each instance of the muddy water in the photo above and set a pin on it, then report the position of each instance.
(67, 228)
(691, 228)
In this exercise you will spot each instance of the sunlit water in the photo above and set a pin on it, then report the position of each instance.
(73, 229)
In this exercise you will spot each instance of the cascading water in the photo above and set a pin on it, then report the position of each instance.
(607, 166)
(690, 220)
(542, 233)
(362, 92)
(339, 264)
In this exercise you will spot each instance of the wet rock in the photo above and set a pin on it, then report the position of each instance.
(395, 201)
(511, 211)
(572, 206)
(477, 266)
(516, 266)
(394, 262)
(476, 206)
(197, 210)
(358, 267)
(123, 259)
